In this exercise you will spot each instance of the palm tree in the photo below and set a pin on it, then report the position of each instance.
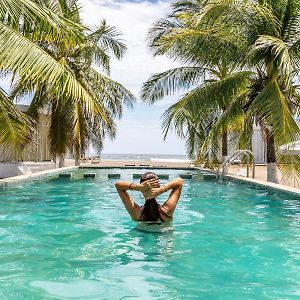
(265, 34)
(21, 56)
(212, 81)
(193, 115)
(75, 123)
(273, 54)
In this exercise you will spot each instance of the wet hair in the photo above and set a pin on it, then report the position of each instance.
(151, 210)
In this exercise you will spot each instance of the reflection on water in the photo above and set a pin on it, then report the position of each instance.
(150, 227)
(154, 241)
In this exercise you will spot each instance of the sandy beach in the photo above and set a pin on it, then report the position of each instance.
(137, 163)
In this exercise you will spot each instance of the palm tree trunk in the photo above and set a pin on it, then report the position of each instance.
(271, 159)
(224, 148)
(77, 160)
(77, 153)
(61, 160)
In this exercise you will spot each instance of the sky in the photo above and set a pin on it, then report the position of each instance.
(139, 130)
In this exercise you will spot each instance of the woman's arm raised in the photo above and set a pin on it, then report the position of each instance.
(133, 208)
(175, 186)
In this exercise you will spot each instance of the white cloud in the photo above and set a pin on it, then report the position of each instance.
(134, 19)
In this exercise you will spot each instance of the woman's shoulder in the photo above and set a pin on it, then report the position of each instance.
(164, 211)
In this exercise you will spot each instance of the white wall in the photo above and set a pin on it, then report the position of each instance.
(258, 145)
(11, 169)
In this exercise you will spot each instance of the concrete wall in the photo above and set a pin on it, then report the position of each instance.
(258, 145)
(11, 169)
(37, 151)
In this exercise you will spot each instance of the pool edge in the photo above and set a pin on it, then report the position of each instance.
(257, 182)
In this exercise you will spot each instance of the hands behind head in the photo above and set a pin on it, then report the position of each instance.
(150, 188)
(149, 184)
(152, 193)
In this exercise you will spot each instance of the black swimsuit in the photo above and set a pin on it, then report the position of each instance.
(160, 212)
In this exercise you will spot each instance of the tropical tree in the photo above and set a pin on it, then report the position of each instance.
(273, 53)
(212, 81)
(21, 56)
(265, 35)
(74, 123)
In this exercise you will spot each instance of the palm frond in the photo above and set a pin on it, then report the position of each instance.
(107, 38)
(29, 61)
(277, 52)
(289, 166)
(216, 94)
(16, 128)
(111, 93)
(233, 118)
(169, 82)
(272, 108)
(52, 26)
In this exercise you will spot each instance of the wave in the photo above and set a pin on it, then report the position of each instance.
(175, 160)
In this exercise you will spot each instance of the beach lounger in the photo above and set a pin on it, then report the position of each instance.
(24, 170)
(96, 160)
(142, 165)
(192, 164)
(129, 165)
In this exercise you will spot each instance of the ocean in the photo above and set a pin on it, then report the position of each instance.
(146, 157)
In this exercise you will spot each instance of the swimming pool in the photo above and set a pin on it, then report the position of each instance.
(72, 239)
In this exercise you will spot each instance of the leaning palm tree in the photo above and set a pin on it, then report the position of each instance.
(265, 35)
(24, 27)
(73, 125)
(212, 81)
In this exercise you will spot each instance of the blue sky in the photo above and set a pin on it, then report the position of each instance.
(139, 131)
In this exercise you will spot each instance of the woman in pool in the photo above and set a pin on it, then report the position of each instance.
(150, 188)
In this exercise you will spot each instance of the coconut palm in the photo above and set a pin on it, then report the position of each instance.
(21, 56)
(274, 55)
(212, 81)
(265, 34)
(72, 125)
(25, 27)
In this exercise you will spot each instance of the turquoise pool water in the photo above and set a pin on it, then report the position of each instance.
(72, 239)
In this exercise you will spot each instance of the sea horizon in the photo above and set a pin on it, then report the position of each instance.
(145, 157)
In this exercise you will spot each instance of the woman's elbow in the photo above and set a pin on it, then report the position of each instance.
(117, 185)
(180, 182)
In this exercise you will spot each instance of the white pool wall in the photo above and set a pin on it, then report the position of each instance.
(20, 178)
